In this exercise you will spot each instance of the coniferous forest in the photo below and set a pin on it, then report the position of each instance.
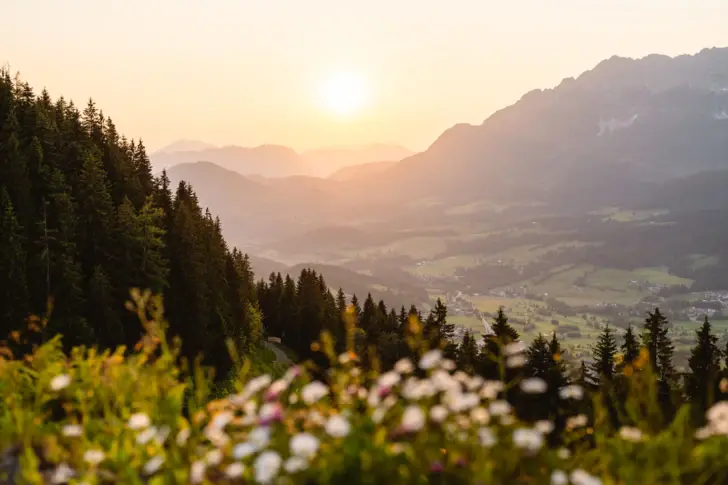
(85, 227)
(84, 221)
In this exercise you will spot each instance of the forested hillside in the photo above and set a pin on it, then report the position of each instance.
(84, 221)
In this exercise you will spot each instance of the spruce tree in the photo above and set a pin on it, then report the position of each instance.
(604, 352)
(704, 365)
(14, 304)
(467, 353)
(503, 330)
(356, 307)
(369, 319)
(659, 345)
(630, 347)
(402, 321)
(503, 334)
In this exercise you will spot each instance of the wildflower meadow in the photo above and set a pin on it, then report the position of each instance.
(146, 417)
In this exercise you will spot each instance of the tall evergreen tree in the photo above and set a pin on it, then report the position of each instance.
(630, 347)
(14, 303)
(369, 319)
(467, 353)
(502, 329)
(704, 365)
(356, 307)
(604, 352)
(659, 345)
(503, 334)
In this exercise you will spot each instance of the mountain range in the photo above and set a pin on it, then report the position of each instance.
(647, 134)
(276, 160)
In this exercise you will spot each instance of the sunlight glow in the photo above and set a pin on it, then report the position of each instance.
(344, 93)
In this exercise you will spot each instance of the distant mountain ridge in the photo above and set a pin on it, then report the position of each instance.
(327, 161)
(276, 160)
(265, 160)
(185, 145)
(651, 117)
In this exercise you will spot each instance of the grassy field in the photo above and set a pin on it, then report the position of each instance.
(618, 215)
(700, 261)
(587, 285)
(516, 256)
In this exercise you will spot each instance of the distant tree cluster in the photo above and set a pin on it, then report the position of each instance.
(609, 373)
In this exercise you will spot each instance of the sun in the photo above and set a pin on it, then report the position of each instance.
(344, 93)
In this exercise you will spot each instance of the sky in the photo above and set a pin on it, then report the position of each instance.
(250, 72)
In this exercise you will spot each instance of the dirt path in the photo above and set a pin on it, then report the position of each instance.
(280, 355)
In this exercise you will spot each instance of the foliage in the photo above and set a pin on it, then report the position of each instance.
(103, 417)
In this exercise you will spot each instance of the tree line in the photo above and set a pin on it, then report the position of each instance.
(83, 220)
(612, 372)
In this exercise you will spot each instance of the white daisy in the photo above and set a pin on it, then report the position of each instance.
(404, 366)
(241, 450)
(139, 421)
(413, 419)
(629, 433)
(313, 392)
(527, 439)
(197, 472)
(62, 474)
(304, 445)
(72, 430)
(295, 464)
(234, 470)
(153, 465)
(337, 426)
(544, 426)
(499, 408)
(94, 457)
(267, 466)
(438, 413)
(60, 382)
(431, 359)
(486, 437)
(533, 385)
(559, 477)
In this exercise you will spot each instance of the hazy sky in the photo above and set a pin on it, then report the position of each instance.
(250, 71)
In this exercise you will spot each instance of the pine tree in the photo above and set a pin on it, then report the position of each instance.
(704, 365)
(402, 321)
(630, 347)
(442, 331)
(104, 320)
(503, 334)
(604, 352)
(659, 345)
(14, 304)
(502, 329)
(467, 353)
(355, 305)
(96, 213)
(369, 321)
(341, 301)
(538, 357)
(14, 172)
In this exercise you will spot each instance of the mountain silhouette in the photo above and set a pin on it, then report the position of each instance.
(653, 118)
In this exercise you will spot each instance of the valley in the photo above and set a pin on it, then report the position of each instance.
(572, 224)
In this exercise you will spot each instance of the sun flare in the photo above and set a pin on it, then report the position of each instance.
(344, 93)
